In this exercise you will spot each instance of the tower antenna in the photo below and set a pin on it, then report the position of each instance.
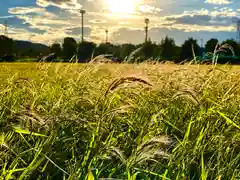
(6, 28)
(106, 31)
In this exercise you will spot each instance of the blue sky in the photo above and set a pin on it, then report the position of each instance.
(48, 21)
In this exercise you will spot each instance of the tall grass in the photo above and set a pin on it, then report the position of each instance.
(96, 121)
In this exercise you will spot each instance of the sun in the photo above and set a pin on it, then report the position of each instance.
(122, 6)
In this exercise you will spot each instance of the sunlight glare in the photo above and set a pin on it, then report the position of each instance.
(122, 6)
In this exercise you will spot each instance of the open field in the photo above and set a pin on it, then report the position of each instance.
(93, 121)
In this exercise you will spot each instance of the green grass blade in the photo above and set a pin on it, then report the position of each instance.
(229, 121)
(25, 131)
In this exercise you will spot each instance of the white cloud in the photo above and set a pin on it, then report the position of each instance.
(149, 9)
(98, 21)
(197, 28)
(64, 4)
(25, 10)
(31, 10)
(223, 12)
(219, 2)
(6, 17)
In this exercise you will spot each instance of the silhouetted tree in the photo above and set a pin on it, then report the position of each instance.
(56, 49)
(104, 48)
(148, 50)
(126, 50)
(187, 49)
(86, 50)
(210, 45)
(176, 57)
(69, 47)
(234, 45)
(168, 48)
(6, 46)
(116, 51)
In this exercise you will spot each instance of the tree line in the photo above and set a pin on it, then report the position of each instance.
(85, 51)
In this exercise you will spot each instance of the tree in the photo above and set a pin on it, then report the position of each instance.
(168, 48)
(126, 50)
(187, 49)
(104, 48)
(86, 50)
(6, 46)
(149, 50)
(56, 49)
(234, 45)
(211, 45)
(69, 47)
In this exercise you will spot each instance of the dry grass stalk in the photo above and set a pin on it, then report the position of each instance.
(187, 93)
(123, 80)
(100, 59)
(193, 52)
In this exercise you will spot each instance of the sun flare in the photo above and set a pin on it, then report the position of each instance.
(122, 6)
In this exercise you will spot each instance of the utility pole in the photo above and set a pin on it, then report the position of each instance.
(106, 35)
(6, 28)
(82, 11)
(146, 29)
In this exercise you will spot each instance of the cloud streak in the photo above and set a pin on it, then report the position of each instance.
(64, 4)
(218, 2)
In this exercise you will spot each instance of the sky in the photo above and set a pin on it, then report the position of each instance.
(49, 21)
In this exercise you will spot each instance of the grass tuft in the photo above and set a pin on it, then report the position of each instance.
(96, 121)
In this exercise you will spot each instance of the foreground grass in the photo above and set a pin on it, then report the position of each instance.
(69, 121)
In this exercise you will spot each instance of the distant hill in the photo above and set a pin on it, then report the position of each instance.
(26, 46)
(14, 49)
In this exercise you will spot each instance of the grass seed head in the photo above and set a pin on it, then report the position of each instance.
(116, 83)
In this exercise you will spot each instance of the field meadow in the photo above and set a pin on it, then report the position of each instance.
(119, 121)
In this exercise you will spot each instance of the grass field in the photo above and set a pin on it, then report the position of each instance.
(96, 121)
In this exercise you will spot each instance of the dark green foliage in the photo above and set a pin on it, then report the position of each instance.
(7, 46)
(235, 46)
(56, 49)
(168, 48)
(104, 48)
(165, 51)
(126, 50)
(211, 45)
(86, 50)
(69, 48)
(187, 49)
(25, 49)
(149, 50)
